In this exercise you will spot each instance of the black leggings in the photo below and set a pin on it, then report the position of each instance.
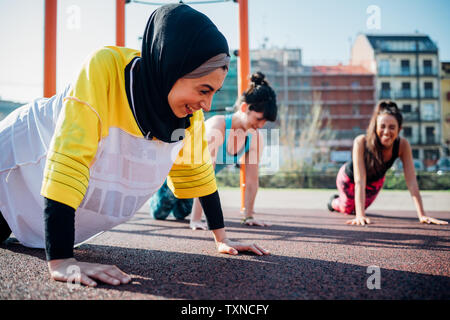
(5, 231)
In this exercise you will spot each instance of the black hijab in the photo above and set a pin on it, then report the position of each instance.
(177, 40)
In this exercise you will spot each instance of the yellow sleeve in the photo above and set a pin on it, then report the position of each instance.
(192, 174)
(77, 134)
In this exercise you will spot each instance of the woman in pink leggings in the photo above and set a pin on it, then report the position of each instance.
(360, 180)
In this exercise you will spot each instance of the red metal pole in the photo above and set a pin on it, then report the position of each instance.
(120, 23)
(244, 74)
(50, 48)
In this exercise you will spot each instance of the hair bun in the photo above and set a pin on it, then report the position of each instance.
(258, 78)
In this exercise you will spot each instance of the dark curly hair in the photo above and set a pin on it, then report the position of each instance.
(260, 97)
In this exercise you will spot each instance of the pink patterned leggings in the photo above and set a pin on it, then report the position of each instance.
(345, 203)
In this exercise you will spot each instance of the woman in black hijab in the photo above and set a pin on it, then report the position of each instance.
(114, 133)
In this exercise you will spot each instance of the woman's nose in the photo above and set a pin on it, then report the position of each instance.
(206, 105)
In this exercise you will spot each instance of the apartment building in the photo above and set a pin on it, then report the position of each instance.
(445, 102)
(407, 71)
(225, 99)
(346, 95)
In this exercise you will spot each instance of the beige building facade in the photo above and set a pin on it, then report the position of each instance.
(407, 72)
(445, 101)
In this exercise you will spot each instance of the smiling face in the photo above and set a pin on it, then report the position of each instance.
(190, 95)
(387, 129)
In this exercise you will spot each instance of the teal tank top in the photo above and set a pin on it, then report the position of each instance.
(223, 157)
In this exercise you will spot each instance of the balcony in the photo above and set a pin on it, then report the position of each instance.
(428, 71)
(405, 94)
(427, 140)
(429, 94)
(425, 117)
(408, 94)
(385, 94)
(410, 116)
(430, 117)
(407, 72)
(326, 88)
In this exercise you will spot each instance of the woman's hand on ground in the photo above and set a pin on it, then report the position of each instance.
(85, 273)
(250, 221)
(359, 221)
(198, 225)
(430, 220)
(233, 247)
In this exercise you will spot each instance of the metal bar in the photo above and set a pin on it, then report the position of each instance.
(243, 75)
(120, 23)
(50, 48)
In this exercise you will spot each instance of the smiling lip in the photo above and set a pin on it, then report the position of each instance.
(188, 110)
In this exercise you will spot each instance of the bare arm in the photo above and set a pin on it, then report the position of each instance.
(405, 155)
(252, 159)
(360, 176)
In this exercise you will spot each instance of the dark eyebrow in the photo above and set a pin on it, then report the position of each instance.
(210, 88)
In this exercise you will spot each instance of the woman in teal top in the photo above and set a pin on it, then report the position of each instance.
(230, 138)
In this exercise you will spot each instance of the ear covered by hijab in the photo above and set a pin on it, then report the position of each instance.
(177, 40)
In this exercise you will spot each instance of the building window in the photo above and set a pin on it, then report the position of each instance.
(406, 108)
(355, 84)
(428, 87)
(385, 90)
(415, 153)
(431, 154)
(430, 137)
(427, 67)
(406, 90)
(383, 69)
(405, 67)
(428, 112)
(407, 132)
(355, 110)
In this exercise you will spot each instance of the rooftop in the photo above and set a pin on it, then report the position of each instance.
(402, 43)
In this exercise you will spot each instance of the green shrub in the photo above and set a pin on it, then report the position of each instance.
(320, 180)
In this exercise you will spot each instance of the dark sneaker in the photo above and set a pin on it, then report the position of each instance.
(334, 196)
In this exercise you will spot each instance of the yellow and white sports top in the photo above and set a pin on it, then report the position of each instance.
(83, 148)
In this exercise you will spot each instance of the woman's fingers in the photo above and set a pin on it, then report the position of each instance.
(234, 247)
(359, 221)
(253, 248)
(430, 220)
(259, 223)
(118, 274)
(84, 279)
(104, 277)
(224, 248)
(437, 221)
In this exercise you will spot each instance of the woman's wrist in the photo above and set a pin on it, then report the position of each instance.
(248, 213)
(219, 235)
(360, 215)
(56, 263)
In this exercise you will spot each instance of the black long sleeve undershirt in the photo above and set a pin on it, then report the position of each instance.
(213, 210)
(59, 221)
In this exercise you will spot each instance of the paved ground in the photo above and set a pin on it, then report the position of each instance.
(315, 255)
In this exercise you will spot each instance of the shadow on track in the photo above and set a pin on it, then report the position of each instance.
(173, 275)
